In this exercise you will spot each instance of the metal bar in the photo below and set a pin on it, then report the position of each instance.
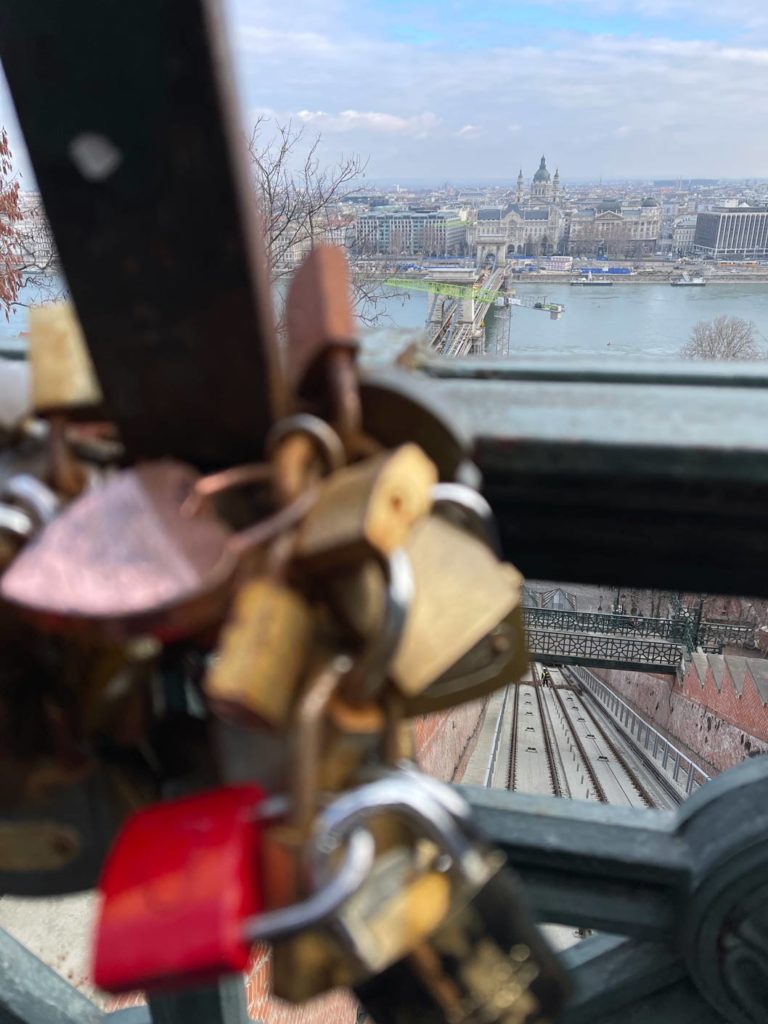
(586, 370)
(666, 488)
(488, 778)
(224, 1003)
(624, 982)
(591, 865)
(33, 993)
(133, 134)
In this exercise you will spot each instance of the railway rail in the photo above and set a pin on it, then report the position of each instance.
(557, 788)
(551, 740)
(595, 714)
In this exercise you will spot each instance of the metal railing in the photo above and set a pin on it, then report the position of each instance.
(713, 635)
(710, 635)
(664, 754)
(679, 630)
(642, 654)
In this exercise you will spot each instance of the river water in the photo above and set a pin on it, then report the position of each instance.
(649, 321)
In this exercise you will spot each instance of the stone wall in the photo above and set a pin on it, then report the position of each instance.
(716, 711)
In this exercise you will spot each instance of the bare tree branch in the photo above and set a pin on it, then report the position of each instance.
(725, 337)
(298, 199)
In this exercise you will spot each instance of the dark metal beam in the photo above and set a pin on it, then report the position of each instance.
(136, 143)
(33, 993)
(622, 982)
(610, 868)
(654, 480)
(224, 1003)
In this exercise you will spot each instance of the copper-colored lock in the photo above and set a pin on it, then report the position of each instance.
(145, 553)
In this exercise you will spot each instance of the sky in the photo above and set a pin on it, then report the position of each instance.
(472, 90)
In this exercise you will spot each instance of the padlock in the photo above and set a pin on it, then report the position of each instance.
(366, 509)
(63, 378)
(501, 657)
(461, 593)
(464, 634)
(132, 557)
(483, 960)
(182, 892)
(322, 346)
(263, 652)
(176, 888)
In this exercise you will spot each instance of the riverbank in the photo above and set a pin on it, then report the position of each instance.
(643, 277)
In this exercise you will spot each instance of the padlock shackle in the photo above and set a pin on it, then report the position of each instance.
(317, 908)
(453, 802)
(476, 511)
(405, 797)
(368, 675)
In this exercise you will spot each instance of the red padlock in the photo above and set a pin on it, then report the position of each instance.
(178, 885)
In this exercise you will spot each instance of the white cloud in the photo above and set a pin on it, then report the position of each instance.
(469, 131)
(377, 121)
(514, 127)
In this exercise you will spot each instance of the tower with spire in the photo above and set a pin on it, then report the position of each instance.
(520, 186)
(541, 187)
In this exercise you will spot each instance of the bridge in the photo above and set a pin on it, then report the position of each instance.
(635, 642)
(460, 300)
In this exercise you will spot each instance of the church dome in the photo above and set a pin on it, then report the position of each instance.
(542, 174)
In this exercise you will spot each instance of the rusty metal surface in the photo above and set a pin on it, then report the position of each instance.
(134, 138)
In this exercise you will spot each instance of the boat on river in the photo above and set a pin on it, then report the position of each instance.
(588, 281)
(686, 281)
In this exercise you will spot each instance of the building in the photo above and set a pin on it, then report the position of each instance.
(500, 232)
(544, 189)
(732, 233)
(683, 233)
(398, 232)
(612, 229)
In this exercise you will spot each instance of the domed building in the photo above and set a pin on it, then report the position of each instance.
(542, 187)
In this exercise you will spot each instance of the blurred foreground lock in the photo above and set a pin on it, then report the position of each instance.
(448, 937)
(177, 886)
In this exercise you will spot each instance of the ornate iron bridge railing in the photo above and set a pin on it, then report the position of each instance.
(710, 635)
(606, 650)
(713, 636)
(679, 630)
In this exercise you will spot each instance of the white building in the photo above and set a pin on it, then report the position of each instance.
(396, 232)
(683, 234)
(615, 230)
(500, 232)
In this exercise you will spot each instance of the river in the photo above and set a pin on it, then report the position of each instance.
(649, 321)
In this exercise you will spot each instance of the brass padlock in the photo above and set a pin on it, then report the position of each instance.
(464, 634)
(63, 378)
(263, 652)
(366, 509)
(470, 953)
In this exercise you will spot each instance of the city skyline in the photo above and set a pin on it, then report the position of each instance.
(618, 89)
